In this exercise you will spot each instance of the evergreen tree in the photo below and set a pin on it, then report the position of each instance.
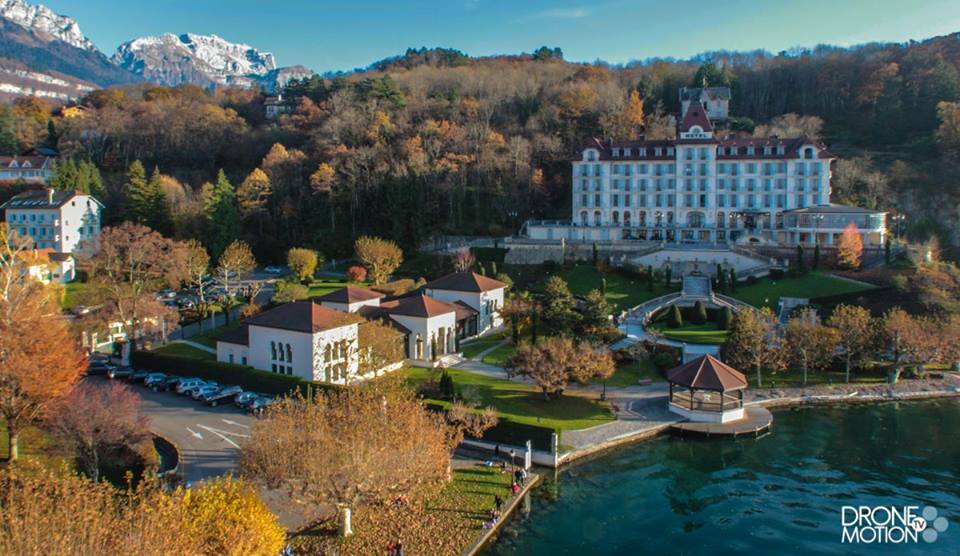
(733, 280)
(721, 279)
(816, 256)
(160, 218)
(222, 219)
(886, 251)
(596, 316)
(138, 194)
(596, 255)
(668, 276)
(675, 317)
(559, 313)
(8, 131)
(493, 268)
(800, 265)
(699, 315)
(649, 278)
(724, 319)
(65, 176)
(89, 175)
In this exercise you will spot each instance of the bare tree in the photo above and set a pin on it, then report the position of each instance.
(196, 264)
(357, 445)
(236, 259)
(94, 419)
(463, 260)
(128, 264)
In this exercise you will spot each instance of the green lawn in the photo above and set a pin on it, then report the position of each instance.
(323, 287)
(524, 403)
(793, 378)
(208, 336)
(706, 333)
(183, 350)
(622, 292)
(74, 294)
(476, 347)
(630, 373)
(500, 355)
(37, 445)
(766, 292)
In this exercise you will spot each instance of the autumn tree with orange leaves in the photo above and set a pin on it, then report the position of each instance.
(40, 358)
(850, 247)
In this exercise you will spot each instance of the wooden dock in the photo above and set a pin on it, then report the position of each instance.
(756, 420)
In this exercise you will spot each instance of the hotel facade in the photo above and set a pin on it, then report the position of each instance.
(699, 188)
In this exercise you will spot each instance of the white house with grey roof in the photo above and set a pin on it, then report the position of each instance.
(54, 219)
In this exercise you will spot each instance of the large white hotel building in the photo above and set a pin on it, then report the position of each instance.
(698, 188)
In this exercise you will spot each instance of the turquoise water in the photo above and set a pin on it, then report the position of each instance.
(778, 494)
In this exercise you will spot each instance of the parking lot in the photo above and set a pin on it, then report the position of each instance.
(207, 437)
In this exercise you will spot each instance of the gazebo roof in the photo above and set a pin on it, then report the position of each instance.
(707, 373)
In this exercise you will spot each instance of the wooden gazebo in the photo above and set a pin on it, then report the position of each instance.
(707, 389)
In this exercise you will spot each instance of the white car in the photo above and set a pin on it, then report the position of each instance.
(186, 385)
(273, 269)
(203, 391)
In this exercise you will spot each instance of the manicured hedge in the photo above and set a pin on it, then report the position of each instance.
(515, 434)
(225, 373)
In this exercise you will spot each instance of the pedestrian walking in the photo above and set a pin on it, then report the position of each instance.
(496, 452)
(398, 548)
(515, 488)
(523, 477)
(498, 503)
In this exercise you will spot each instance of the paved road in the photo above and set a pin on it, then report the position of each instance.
(206, 437)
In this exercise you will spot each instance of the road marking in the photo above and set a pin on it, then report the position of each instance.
(223, 434)
(195, 433)
(234, 423)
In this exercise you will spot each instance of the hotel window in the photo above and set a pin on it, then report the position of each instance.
(273, 350)
(626, 200)
(596, 200)
(643, 168)
(616, 184)
(721, 183)
(596, 170)
(702, 152)
(752, 200)
(703, 201)
(615, 200)
(721, 200)
(670, 151)
(733, 201)
(616, 153)
(627, 169)
(591, 155)
(584, 218)
(643, 200)
(659, 200)
(766, 185)
(779, 201)
(584, 185)
(689, 184)
(751, 184)
(689, 201)
(766, 201)
(703, 169)
(703, 185)
(616, 217)
(749, 151)
(583, 200)
(721, 220)
(732, 151)
(643, 185)
(596, 218)
(289, 354)
(670, 200)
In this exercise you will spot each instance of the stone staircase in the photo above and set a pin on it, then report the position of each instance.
(697, 287)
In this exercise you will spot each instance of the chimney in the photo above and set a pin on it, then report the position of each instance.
(50, 195)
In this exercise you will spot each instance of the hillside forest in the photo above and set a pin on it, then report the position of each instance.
(436, 142)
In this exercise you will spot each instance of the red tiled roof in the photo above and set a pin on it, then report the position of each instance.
(349, 294)
(422, 306)
(465, 282)
(707, 373)
(695, 116)
(303, 316)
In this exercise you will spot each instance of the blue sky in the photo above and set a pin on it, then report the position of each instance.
(341, 35)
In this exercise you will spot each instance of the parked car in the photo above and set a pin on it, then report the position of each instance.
(170, 383)
(272, 269)
(223, 395)
(201, 392)
(154, 380)
(139, 375)
(202, 384)
(184, 386)
(99, 368)
(244, 399)
(260, 404)
(120, 372)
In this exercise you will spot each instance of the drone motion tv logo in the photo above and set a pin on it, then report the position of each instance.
(891, 524)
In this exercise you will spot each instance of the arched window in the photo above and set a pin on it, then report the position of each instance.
(670, 217)
(418, 354)
(626, 218)
(273, 350)
(658, 218)
(289, 354)
(808, 152)
(327, 353)
(591, 155)
(695, 220)
(584, 218)
(721, 220)
(596, 218)
(616, 217)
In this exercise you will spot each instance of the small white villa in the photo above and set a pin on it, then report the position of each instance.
(318, 339)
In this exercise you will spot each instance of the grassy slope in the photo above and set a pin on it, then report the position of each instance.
(524, 403)
(767, 292)
(622, 292)
(630, 373)
(183, 350)
(37, 445)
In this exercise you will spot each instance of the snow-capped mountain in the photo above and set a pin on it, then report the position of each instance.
(201, 59)
(45, 23)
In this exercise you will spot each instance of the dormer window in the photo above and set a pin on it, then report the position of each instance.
(669, 151)
(591, 155)
(26, 164)
(780, 149)
(657, 151)
(626, 152)
(808, 152)
(766, 150)
(616, 153)
(13, 164)
(643, 151)
(749, 151)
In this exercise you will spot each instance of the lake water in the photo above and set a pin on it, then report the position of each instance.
(778, 494)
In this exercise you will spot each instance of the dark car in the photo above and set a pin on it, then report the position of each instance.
(154, 380)
(223, 395)
(120, 372)
(244, 399)
(99, 368)
(139, 375)
(170, 383)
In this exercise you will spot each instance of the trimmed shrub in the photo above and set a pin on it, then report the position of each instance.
(356, 273)
(699, 315)
(724, 318)
(674, 318)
